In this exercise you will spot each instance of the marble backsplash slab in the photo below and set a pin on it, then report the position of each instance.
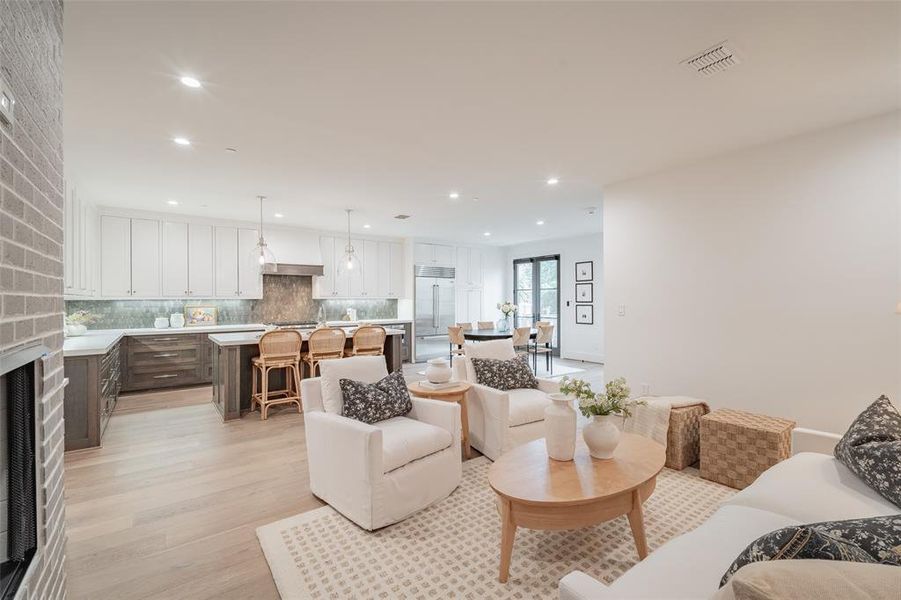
(285, 298)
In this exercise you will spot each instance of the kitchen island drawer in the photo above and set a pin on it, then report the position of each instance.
(163, 359)
(170, 378)
(173, 341)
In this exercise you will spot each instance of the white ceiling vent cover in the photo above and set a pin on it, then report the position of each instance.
(715, 59)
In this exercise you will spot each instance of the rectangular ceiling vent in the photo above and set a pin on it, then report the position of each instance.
(715, 59)
(401, 217)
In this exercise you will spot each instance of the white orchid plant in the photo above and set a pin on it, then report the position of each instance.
(81, 317)
(508, 308)
(613, 401)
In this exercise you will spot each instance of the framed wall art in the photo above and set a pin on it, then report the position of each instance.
(584, 292)
(585, 271)
(584, 314)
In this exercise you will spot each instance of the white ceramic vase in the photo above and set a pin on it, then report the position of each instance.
(438, 371)
(560, 428)
(176, 320)
(75, 330)
(602, 435)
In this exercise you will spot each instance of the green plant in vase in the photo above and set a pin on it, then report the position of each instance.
(77, 322)
(605, 409)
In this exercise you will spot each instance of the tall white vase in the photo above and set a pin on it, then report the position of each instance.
(560, 428)
(602, 435)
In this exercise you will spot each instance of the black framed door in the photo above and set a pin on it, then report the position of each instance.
(536, 291)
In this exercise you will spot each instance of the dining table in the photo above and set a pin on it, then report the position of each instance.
(481, 335)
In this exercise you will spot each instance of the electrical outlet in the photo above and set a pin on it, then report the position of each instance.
(621, 310)
(645, 389)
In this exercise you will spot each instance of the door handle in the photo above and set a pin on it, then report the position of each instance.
(166, 355)
(164, 376)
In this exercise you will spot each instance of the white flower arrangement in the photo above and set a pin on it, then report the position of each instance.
(613, 401)
(508, 308)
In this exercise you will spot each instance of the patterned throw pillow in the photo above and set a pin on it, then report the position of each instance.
(513, 374)
(872, 540)
(374, 402)
(871, 448)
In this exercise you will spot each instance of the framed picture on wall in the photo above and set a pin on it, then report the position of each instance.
(584, 314)
(584, 292)
(585, 271)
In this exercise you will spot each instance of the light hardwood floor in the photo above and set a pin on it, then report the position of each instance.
(168, 507)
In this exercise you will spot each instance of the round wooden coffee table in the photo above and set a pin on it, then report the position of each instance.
(457, 394)
(537, 492)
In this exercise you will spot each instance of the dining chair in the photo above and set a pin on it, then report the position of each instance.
(486, 324)
(543, 344)
(368, 340)
(279, 350)
(521, 336)
(325, 343)
(455, 334)
(465, 326)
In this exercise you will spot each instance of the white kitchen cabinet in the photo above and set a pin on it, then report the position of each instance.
(145, 258)
(378, 275)
(469, 267)
(225, 270)
(250, 273)
(115, 257)
(187, 260)
(370, 267)
(175, 259)
(439, 255)
(79, 245)
(396, 253)
(474, 305)
(324, 285)
(200, 260)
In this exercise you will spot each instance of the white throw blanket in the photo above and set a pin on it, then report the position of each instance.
(652, 419)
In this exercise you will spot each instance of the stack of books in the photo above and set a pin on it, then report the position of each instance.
(437, 386)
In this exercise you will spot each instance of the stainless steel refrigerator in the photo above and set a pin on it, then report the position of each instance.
(434, 307)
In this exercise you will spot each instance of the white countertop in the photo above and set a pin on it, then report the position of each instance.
(93, 342)
(251, 337)
(194, 329)
(366, 321)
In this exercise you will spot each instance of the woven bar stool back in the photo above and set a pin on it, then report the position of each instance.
(279, 350)
(368, 340)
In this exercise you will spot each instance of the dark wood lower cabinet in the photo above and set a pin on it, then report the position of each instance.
(91, 396)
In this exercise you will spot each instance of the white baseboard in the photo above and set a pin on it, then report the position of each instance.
(586, 356)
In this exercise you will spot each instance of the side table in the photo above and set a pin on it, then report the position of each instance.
(456, 393)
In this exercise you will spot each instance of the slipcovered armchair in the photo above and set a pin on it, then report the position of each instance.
(499, 421)
(378, 474)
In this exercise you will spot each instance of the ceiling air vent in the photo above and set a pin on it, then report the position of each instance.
(714, 60)
(401, 217)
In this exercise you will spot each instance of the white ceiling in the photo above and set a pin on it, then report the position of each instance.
(386, 108)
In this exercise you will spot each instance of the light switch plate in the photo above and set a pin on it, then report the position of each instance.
(621, 310)
(7, 103)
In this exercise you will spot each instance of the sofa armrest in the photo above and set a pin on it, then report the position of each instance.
(342, 448)
(494, 407)
(579, 586)
(548, 386)
(811, 440)
(311, 394)
(445, 415)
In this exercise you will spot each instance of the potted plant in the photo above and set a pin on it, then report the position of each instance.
(77, 323)
(508, 309)
(606, 410)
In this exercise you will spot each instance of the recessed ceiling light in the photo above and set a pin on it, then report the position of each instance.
(230, 149)
(172, 202)
(182, 141)
(453, 195)
(552, 181)
(487, 234)
(367, 226)
(539, 222)
(189, 81)
(475, 199)
(278, 215)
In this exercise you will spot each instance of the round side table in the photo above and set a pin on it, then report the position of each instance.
(456, 393)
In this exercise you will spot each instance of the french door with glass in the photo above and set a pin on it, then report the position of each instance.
(536, 291)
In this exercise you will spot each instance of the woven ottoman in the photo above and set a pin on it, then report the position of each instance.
(683, 439)
(738, 446)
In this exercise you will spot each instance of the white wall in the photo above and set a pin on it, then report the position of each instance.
(765, 279)
(578, 342)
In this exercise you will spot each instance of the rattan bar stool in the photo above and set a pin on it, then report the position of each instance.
(368, 340)
(325, 343)
(279, 349)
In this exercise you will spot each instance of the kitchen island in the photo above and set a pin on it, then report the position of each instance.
(232, 368)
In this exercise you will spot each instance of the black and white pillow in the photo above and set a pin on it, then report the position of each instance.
(374, 402)
(872, 540)
(871, 448)
(512, 374)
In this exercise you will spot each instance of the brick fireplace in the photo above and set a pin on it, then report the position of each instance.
(31, 238)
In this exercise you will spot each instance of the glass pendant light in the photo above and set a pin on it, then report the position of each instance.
(261, 252)
(350, 262)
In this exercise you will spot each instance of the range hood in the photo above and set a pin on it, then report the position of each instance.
(297, 251)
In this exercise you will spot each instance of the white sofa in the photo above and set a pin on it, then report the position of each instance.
(809, 487)
(378, 474)
(499, 421)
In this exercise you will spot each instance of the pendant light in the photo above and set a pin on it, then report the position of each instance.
(349, 262)
(261, 252)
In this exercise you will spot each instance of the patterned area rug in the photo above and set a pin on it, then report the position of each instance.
(451, 549)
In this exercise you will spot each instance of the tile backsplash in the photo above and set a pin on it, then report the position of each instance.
(285, 298)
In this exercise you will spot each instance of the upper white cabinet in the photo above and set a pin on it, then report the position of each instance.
(78, 248)
(379, 274)
(145, 258)
(469, 267)
(129, 257)
(200, 260)
(236, 271)
(187, 259)
(175, 259)
(250, 273)
(439, 255)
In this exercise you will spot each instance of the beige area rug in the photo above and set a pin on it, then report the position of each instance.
(451, 549)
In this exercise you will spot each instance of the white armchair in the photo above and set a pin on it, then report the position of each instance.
(499, 421)
(378, 474)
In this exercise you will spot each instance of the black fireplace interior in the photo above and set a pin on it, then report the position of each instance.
(19, 391)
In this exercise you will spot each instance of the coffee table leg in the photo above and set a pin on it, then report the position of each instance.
(464, 417)
(508, 532)
(636, 522)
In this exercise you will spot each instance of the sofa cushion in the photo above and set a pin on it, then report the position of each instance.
(497, 349)
(872, 540)
(820, 579)
(871, 448)
(367, 369)
(527, 406)
(373, 402)
(405, 440)
(811, 487)
(503, 375)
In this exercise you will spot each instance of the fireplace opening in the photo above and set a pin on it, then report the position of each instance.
(20, 380)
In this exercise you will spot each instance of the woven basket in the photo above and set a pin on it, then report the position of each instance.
(737, 446)
(683, 439)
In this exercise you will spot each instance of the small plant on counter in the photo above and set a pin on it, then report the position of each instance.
(81, 317)
(613, 401)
